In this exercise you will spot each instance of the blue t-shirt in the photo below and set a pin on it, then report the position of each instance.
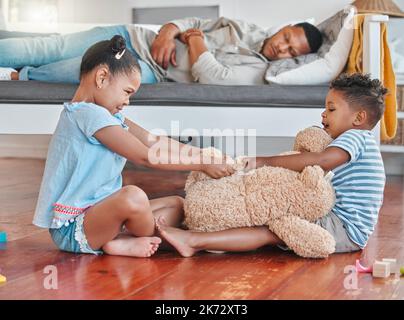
(359, 184)
(79, 170)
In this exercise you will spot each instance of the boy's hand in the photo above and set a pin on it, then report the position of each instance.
(217, 171)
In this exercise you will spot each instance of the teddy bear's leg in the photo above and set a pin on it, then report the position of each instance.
(305, 238)
(317, 196)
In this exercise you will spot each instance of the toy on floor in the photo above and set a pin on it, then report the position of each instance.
(381, 269)
(288, 202)
(362, 269)
(393, 264)
(3, 236)
(3, 279)
(402, 271)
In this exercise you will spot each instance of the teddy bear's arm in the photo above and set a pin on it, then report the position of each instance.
(305, 238)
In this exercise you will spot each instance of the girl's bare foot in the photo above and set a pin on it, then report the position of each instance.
(141, 247)
(180, 239)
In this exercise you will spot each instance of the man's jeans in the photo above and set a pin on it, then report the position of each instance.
(57, 58)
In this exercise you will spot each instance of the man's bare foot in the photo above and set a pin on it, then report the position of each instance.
(141, 247)
(180, 239)
(15, 76)
(8, 74)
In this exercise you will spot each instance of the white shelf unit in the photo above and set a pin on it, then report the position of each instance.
(394, 148)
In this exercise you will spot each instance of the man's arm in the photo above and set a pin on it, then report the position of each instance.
(195, 40)
(163, 46)
(196, 46)
(329, 159)
(206, 69)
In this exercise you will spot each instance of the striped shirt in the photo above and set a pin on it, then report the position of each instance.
(359, 184)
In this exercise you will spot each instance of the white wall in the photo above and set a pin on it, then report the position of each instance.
(265, 13)
(2, 20)
(262, 12)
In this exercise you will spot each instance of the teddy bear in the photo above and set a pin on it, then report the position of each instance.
(288, 202)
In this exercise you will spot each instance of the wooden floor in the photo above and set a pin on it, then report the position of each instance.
(265, 274)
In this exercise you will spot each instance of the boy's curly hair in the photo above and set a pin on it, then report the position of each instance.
(361, 91)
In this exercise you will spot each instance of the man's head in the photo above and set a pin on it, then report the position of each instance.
(354, 102)
(292, 41)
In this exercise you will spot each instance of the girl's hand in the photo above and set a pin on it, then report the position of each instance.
(217, 171)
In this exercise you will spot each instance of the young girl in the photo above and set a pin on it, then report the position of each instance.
(81, 200)
(354, 105)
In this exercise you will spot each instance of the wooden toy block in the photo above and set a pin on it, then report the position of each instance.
(3, 279)
(381, 269)
(393, 264)
(3, 236)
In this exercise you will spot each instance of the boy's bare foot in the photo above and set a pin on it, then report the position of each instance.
(141, 247)
(178, 238)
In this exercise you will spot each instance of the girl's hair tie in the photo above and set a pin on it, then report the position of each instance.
(118, 46)
(120, 54)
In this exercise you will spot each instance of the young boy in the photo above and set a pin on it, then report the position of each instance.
(354, 105)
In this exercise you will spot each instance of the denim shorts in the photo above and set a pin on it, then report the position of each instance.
(71, 238)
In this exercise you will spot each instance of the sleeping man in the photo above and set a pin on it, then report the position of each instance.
(221, 51)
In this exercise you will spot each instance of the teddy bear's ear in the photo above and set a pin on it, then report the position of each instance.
(312, 139)
(311, 176)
